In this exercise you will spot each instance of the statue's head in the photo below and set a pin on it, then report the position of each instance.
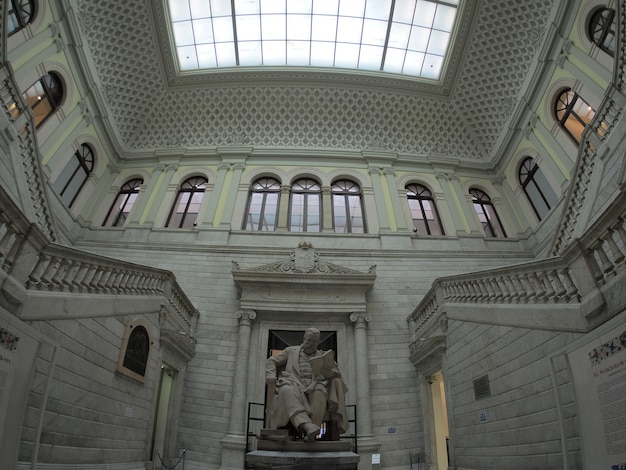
(311, 340)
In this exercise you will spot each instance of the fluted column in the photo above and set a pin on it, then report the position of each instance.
(364, 410)
(238, 406)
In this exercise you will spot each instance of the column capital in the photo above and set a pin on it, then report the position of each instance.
(246, 316)
(359, 319)
(389, 171)
(285, 188)
(224, 166)
(373, 170)
(239, 166)
(326, 190)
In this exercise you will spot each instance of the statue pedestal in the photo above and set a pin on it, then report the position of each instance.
(275, 450)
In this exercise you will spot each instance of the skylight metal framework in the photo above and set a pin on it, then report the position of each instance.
(408, 37)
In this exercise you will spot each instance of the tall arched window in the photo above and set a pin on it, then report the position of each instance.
(573, 113)
(75, 174)
(347, 207)
(601, 29)
(187, 205)
(536, 187)
(426, 219)
(137, 351)
(44, 97)
(305, 208)
(21, 12)
(262, 213)
(126, 197)
(487, 213)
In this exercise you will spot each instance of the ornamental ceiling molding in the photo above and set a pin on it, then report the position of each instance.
(305, 283)
(464, 117)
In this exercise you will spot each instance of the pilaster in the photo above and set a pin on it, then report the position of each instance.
(367, 443)
(209, 211)
(383, 220)
(234, 443)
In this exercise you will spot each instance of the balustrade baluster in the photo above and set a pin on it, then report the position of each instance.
(102, 282)
(143, 281)
(496, 288)
(56, 280)
(95, 279)
(593, 265)
(122, 284)
(34, 278)
(520, 291)
(86, 282)
(6, 242)
(606, 264)
(559, 288)
(571, 289)
(618, 255)
(509, 289)
(69, 279)
(538, 290)
(619, 228)
(49, 273)
(79, 277)
(474, 292)
(530, 292)
(109, 285)
(548, 288)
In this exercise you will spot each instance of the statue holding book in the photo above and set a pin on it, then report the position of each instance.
(308, 391)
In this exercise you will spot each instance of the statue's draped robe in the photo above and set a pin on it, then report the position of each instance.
(284, 406)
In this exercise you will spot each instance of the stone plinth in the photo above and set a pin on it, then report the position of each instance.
(277, 450)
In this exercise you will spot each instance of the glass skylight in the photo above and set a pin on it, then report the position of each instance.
(399, 36)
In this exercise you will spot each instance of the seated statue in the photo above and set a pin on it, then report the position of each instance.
(298, 397)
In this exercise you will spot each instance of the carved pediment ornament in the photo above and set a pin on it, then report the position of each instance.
(303, 260)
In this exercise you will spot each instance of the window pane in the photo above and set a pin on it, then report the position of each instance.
(356, 214)
(313, 213)
(537, 200)
(296, 223)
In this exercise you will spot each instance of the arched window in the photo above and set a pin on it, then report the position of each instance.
(601, 29)
(44, 97)
(536, 187)
(134, 355)
(487, 213)
(305, 208)
(75, 174)
(262, 213)
(137, 350)
(21, 12)
(126, 197)
(573, 113)
(347, 208)
(185, 210)
(426, 219)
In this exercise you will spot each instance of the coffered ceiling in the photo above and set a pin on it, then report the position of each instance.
(465, 116)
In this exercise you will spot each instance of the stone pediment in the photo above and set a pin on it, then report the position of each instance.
(303, 282)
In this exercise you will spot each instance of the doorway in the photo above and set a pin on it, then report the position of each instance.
(439, 432)
(162, 413)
